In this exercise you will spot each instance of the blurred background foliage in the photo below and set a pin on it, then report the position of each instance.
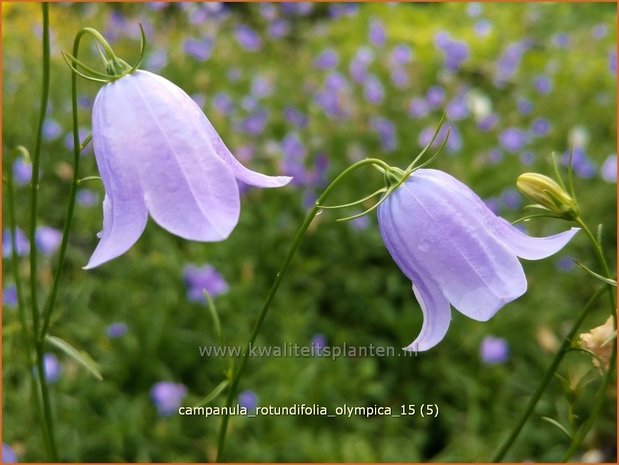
(306, 89)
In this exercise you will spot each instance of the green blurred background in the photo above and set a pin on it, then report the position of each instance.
(307, 89)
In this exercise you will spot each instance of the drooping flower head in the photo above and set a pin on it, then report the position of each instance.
(158, 154)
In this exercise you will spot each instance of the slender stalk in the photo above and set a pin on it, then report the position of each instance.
(275, 286)
(77, 148)
(565, 346)
(34, 201)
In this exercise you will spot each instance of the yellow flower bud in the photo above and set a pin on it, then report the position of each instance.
(548, 194)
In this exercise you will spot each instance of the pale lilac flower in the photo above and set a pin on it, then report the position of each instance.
(612, 62)
(47, 240)
(457, 109)
(455, 52)
(223, 103)
(373, 90)
(254, 124)
(338, 10)
(205, 278)
(435, 96)
(361, 223)
(581, 164)
(359, 65)
(483, 28)
(9, 296)
(22, 171)
(513, 139)
(386, 131)
(261, 87)
(418, 108)
(319, 342)
(565, 263)
(51, 129)
(293, 159)
(377, 33)
(279, 28)
(21, 243)
(8, 454)
(294, 116)
(53, 368)
(509, 61)
(86, 197)
(456, 251)
(249, 400)
(540, 126)
(156, 60)
(328, 59)
(543, 84)
(167, 397)
(524, 106)
(200, 49)
(488, 122)
(494, 350)
(527, 158)
(116, 330)
(400, 77)
(401, 55)
(247, 38)
(600, 31)
(511, 199)
(474, 9)
(609, 169)
(335, 82)
(561, 40)
(158, 154)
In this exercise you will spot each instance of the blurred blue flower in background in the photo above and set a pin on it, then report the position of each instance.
(255, 123)
(22, 171)
(8, 454)
(47, 240)
(543, 84)
(386, 131)
(200, 49)
(247, 38)
(51, 129)
(435, 96)
(53, 368)
(608, 170)
(359, 64)
(21, 243)
(513, 139)
(418, 108)
(319, 341)
(373, 90)
(204, 278)
(328, 59)
(565, 263)
(87, 197)
(116, 330)
(509, 62)
(167, 397)
(494, 350)
(377, 33)
(540, 126)
(249, 400)
(223, 103)
(525, 107)
(296, 117)
(9, 296)
(581, 164)
(455, 52)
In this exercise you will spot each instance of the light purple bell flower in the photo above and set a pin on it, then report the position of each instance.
(158, 154)
(456, 251)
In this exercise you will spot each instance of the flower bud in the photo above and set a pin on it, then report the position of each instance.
(548, 194)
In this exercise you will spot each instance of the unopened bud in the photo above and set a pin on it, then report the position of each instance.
(548, 194)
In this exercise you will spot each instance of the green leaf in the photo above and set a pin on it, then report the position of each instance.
(213, 311)
(211, 396)
(612, 282)
(558, 425)
(79, 356)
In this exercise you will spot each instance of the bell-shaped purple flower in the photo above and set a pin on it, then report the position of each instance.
(456, 251)
(158, 154)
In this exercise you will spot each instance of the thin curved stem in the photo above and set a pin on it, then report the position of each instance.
(275, 286)
(34, 200)
(51, 300)
(565, 346)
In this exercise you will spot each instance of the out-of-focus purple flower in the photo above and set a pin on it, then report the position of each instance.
(51, 129)
(293, 159)
(21, 242)
(454, 142)
(116, 330)
(608, 171)
(319, 173)
(156, 60)
(511, 198)
(561, 40)
(159, 156)
(373, 90)
(361, 223)
(83, 133)
(338, 10)
(267, 11)
(255, 123)
(483, 28)
(47, 240)
(581, 164)
(565, 263)
(279, 28)
(234, 74)
(455, 52)
(167, 397)
(329, 101)
(488, 123)
(457, 109)
(513, 139)
(543, 84)
(540, 126)
(86, 198)
(495, 156)
(525, 107)
(8, 454)
(386, 131)
(509, 61)
(247, 38)
(200, 49)
(204, 278)
(53, 368)
(261, 87)
(527, 158)
(297, 8)
(399, 77)
(22, 171)
(335, 82)
(249, 103)
(401, 55)
(359, 65)
(223, 103)
(418, 108)
(9, 296)
(474, 9)
(318, 343)
(249, 400)
(600, 31)
(494, 350)
(435, 96)
(377, 33)
(612, 62)
(456, 251)
(328, 59)
(295, 117)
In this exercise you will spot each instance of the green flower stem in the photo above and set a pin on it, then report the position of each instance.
(565, 347)
(278, 279)
(77, 148)
(46, 411)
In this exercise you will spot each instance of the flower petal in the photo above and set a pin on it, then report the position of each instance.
(124, 210)
(189, 191)
(434, 305)
(449, 241)
(532, 248)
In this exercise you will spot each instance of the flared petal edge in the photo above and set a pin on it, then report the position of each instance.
(436, 316)
(532, 248)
